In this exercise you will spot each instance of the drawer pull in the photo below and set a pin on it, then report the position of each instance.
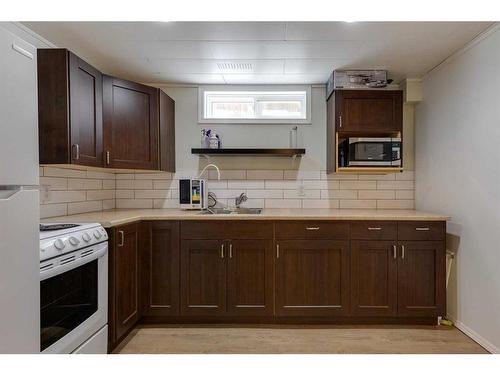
(230, 250)
(277, 251)
(312, 228)
(394, 252)
(374, 228)
(402, 251)
(122, 238)
(222, 251)
(422, 228)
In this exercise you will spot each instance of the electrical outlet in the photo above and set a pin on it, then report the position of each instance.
(301, 191)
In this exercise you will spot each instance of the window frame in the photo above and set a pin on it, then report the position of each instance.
(270, 88)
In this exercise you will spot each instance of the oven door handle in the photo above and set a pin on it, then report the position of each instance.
(49, 272)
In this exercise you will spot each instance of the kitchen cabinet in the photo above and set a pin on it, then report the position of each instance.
(123, 278)
(159, 264)
(131, 124)
(368, 111)
(398, 272)
(203, 277)
(422, 278)
(69, 109)
(373, 278)
(227, 268)
(312, 278)
(250, 266)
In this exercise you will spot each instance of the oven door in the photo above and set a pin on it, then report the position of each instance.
(364, 152)
(73, 298)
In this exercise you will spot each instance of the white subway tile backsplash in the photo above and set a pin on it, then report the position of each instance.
(301, 175)
(395, 185)
(75, 191)
(84, 184)
(81, 207)
(339, 194)
(376, 194)
(358, 185)
(265, 175)
(240, 184)
(396, 204)
(320, 203)
(359, 203)
(283, 203)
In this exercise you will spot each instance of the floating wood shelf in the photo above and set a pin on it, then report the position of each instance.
(287, 152)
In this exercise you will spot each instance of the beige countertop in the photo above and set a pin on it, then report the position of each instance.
(111, 218)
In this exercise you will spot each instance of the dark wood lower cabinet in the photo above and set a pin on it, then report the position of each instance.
(250, 280)
(312, 278)
(159, 243)
(422, 278)
(374, 272)
(125, 279)
(203, 277)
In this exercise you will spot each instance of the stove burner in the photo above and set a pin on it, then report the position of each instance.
(50, 227)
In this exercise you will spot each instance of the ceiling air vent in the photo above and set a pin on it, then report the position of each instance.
(234, 66)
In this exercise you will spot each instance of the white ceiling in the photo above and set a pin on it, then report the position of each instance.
(279, 52)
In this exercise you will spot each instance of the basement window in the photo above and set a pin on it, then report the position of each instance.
(267, 105)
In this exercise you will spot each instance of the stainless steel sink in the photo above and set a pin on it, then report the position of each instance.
(235, 211)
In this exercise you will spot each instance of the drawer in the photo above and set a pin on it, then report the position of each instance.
(374, 230)
(422, 230)
(226, 229)
(312, 229)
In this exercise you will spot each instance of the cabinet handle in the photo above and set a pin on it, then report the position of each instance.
(422, 228)
(394, 252)
(374, 228)
(222, 251)
(312, 228)
(122, 238)
(277, 251)
(402, 251)
(340, 121)
(76, 147)
(107, 157)
(230, 250)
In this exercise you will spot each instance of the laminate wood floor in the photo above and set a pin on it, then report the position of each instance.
(228, 339)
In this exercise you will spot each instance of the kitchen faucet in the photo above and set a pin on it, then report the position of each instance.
(239, 200)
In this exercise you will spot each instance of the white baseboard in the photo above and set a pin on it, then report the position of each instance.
(474, 336)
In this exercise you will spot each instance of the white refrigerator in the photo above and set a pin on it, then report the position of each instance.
(19, 197)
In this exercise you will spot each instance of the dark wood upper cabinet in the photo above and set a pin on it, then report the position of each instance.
(203, 277)
(374, 271)
(250, 278)
(131, 124)
(125, 264)
(69, 109)
(421, 278)
(368, 111)
(159, 248)
(312, 278)
(167, 132)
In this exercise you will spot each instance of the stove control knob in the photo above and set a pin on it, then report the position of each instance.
(59, 244)
(97, 234)
(86, 237)
(74, 241)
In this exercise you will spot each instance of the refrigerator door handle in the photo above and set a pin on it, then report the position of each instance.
(8, 192)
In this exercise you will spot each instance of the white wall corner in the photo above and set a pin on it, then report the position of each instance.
(474, 335)
(412, 90)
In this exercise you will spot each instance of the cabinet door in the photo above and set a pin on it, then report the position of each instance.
(369, 111)
(421, 278)
(312, 278)
(85, 91)
(203, 277)
(250, 277)
(167, 132)
(159, 247)
(373, 278)
(126, 277)
(130, 124)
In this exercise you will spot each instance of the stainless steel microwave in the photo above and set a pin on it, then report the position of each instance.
(370, 152)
